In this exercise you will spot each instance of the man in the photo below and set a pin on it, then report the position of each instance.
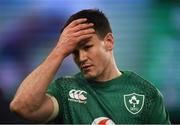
(100, 93)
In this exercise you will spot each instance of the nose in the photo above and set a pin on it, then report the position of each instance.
(82, 56)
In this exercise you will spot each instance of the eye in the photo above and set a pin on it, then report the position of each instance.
(87, 47)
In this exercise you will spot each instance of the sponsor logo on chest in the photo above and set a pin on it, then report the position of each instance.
(79, 96)
(134, 102)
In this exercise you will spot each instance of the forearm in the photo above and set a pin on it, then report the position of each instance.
(31, 92)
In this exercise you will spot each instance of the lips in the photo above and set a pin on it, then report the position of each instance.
(85, 67)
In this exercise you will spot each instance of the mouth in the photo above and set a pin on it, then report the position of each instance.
(86, 68)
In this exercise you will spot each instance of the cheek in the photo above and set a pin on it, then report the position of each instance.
(100, 58)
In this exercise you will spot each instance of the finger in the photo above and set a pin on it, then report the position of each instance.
(82, 26)
(84, 32)
(83, 37)
(76, 22)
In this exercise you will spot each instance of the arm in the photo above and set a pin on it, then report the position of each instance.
(30, 100)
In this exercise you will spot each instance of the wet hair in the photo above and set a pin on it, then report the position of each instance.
(95, 16)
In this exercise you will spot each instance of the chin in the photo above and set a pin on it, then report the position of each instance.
(89, 75)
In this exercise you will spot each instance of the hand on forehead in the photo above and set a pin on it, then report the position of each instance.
(78, 21)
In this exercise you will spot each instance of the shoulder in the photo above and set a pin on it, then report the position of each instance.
(69, 80)
(142, 85)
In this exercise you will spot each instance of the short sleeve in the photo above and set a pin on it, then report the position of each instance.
(55, 90)
(159, 114)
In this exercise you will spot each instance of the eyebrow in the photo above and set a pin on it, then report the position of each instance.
(84, 42)
(81, 45)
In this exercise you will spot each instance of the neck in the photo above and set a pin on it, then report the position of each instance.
(110, 72)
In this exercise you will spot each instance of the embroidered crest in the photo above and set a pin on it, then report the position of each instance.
(134, 102)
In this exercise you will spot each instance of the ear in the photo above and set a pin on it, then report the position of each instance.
(109, 42)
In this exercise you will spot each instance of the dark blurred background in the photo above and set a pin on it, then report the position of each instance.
(147, 34)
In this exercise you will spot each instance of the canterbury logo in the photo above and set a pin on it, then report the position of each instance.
(77, 96)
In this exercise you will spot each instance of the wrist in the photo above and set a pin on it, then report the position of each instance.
(56, 55)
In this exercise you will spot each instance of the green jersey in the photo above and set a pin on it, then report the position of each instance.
(127, 99)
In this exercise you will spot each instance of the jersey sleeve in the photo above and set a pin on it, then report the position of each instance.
(159, 114)
(54, 92)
